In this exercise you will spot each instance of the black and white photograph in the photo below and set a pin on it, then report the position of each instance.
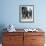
(26, 13)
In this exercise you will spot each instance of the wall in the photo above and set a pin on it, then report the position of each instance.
(9, 13)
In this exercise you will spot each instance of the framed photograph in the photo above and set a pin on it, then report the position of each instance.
(26, 13)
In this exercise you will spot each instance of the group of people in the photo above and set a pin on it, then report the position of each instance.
(26, 13)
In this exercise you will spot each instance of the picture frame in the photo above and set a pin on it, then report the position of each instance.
(26, 13)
